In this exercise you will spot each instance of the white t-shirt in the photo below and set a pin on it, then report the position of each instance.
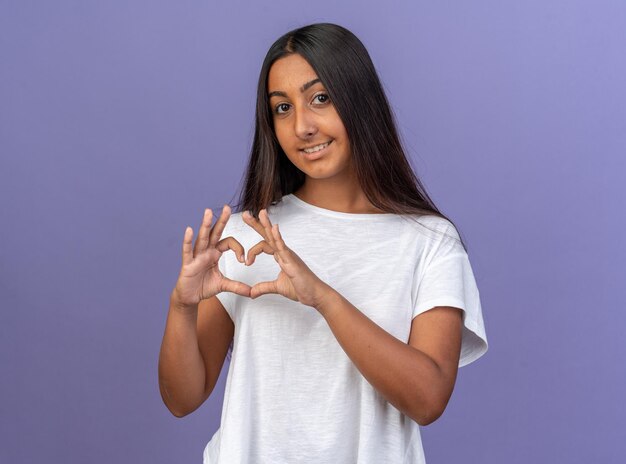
(292, 394)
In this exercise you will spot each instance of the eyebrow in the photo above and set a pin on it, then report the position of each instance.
(278, 93)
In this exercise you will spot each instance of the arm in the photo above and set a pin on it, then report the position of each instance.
(198, 329)
(418, 377)
(192, 354)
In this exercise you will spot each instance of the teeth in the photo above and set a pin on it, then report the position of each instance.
(316, 148)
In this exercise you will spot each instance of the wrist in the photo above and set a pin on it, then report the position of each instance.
(181, 307)
(328, 299)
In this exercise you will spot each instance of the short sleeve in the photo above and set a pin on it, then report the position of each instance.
(447, 279)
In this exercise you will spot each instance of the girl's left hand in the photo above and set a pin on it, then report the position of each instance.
(295, 280)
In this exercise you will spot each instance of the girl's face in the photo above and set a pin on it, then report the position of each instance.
(308, 128)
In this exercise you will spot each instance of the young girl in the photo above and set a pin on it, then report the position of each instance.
(348, 302)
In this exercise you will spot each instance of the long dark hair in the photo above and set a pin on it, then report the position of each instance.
(345, 68)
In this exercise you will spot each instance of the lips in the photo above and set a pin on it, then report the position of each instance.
(315, 148)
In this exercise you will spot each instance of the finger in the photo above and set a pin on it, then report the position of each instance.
(187, 248)
(231, 243)
(283, 253)
(263, 288)
(202, 242)
(279, 243)
(267, 226)
(261, 247)
(234, 286)
(218, 228)
(254, 223)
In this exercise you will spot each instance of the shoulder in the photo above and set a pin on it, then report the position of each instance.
(435, 228)
(234, 221)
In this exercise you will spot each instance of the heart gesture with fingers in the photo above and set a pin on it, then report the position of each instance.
(295, 280)
(200, 277)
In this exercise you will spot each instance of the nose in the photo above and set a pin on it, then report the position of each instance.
(305, 125)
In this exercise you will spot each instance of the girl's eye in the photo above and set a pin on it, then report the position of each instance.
(322, 98)
(282, 108)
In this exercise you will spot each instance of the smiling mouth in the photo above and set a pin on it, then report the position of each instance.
(316, 148)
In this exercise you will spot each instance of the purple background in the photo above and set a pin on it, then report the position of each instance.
(120, 121)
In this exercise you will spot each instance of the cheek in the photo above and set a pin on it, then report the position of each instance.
(286, 145)
(345, 142)
(340, 130)
(281, 135)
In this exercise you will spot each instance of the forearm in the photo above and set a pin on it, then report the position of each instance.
(181, 367)
(403, 375)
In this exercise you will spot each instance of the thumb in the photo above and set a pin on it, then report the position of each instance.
(263, 288)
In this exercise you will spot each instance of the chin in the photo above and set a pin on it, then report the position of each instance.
(320, 174)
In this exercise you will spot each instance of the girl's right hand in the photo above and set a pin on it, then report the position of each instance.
(200, 277)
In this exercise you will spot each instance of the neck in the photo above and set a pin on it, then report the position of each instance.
(342, 195)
